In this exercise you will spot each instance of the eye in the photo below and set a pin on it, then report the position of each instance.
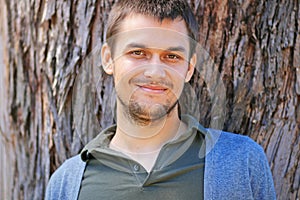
(171, 57)
(138, 53)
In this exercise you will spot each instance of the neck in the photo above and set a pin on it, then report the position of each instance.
(132, 137)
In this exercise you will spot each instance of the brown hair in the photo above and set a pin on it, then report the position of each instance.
(160, 9)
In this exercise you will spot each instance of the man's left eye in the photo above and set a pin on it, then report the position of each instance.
(172, 57)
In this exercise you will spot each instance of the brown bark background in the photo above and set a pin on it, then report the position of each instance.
(55, 97)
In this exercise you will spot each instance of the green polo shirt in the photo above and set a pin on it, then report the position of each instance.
(178, 172)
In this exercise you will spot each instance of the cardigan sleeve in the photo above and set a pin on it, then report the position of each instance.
(261, 176)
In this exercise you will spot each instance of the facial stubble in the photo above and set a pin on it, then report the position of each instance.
(145, 115)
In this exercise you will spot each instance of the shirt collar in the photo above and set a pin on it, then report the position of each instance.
(102, 140)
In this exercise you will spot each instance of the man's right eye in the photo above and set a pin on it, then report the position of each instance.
(138, 53)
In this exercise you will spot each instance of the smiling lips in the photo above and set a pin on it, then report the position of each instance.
(157, 89)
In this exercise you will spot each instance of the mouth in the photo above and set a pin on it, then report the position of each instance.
(156, 89)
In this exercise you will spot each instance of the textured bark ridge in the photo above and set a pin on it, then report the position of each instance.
(55, 97)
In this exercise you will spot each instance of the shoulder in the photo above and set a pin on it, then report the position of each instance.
(232, 143)
(235, 151)
(237, 166)
(75, 163)
(238, 154)
(66, 179)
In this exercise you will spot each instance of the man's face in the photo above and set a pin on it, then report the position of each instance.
(150, 64)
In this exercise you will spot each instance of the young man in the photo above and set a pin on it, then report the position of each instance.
(153, 152)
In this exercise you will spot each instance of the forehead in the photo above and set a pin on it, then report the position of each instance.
(151, 32)
(137, 21)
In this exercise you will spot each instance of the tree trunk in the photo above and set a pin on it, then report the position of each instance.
(56, 97)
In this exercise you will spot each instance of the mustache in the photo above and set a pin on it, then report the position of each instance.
(161, 82)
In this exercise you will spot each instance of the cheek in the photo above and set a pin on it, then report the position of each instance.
(178, 74)
(178, 80)
(124, 68)
(182, 72)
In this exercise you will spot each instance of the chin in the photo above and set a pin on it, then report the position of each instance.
(150, 113)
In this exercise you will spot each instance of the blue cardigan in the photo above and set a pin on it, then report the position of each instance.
(236, 168)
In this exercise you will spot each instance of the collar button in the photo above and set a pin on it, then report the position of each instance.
(136, 167)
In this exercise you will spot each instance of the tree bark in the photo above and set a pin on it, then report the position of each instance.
(55, 97)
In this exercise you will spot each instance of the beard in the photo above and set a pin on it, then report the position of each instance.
(144, 111)
(144, 114)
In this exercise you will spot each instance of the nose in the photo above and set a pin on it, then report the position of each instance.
(155, 69)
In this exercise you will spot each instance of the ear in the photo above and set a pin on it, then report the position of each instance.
(107, 62)
(191, 68)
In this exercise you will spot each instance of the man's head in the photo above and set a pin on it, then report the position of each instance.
(159, 9)
(148, 51)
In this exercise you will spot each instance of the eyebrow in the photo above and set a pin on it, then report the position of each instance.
(179, 48)
(135, 45)
(142, 46)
